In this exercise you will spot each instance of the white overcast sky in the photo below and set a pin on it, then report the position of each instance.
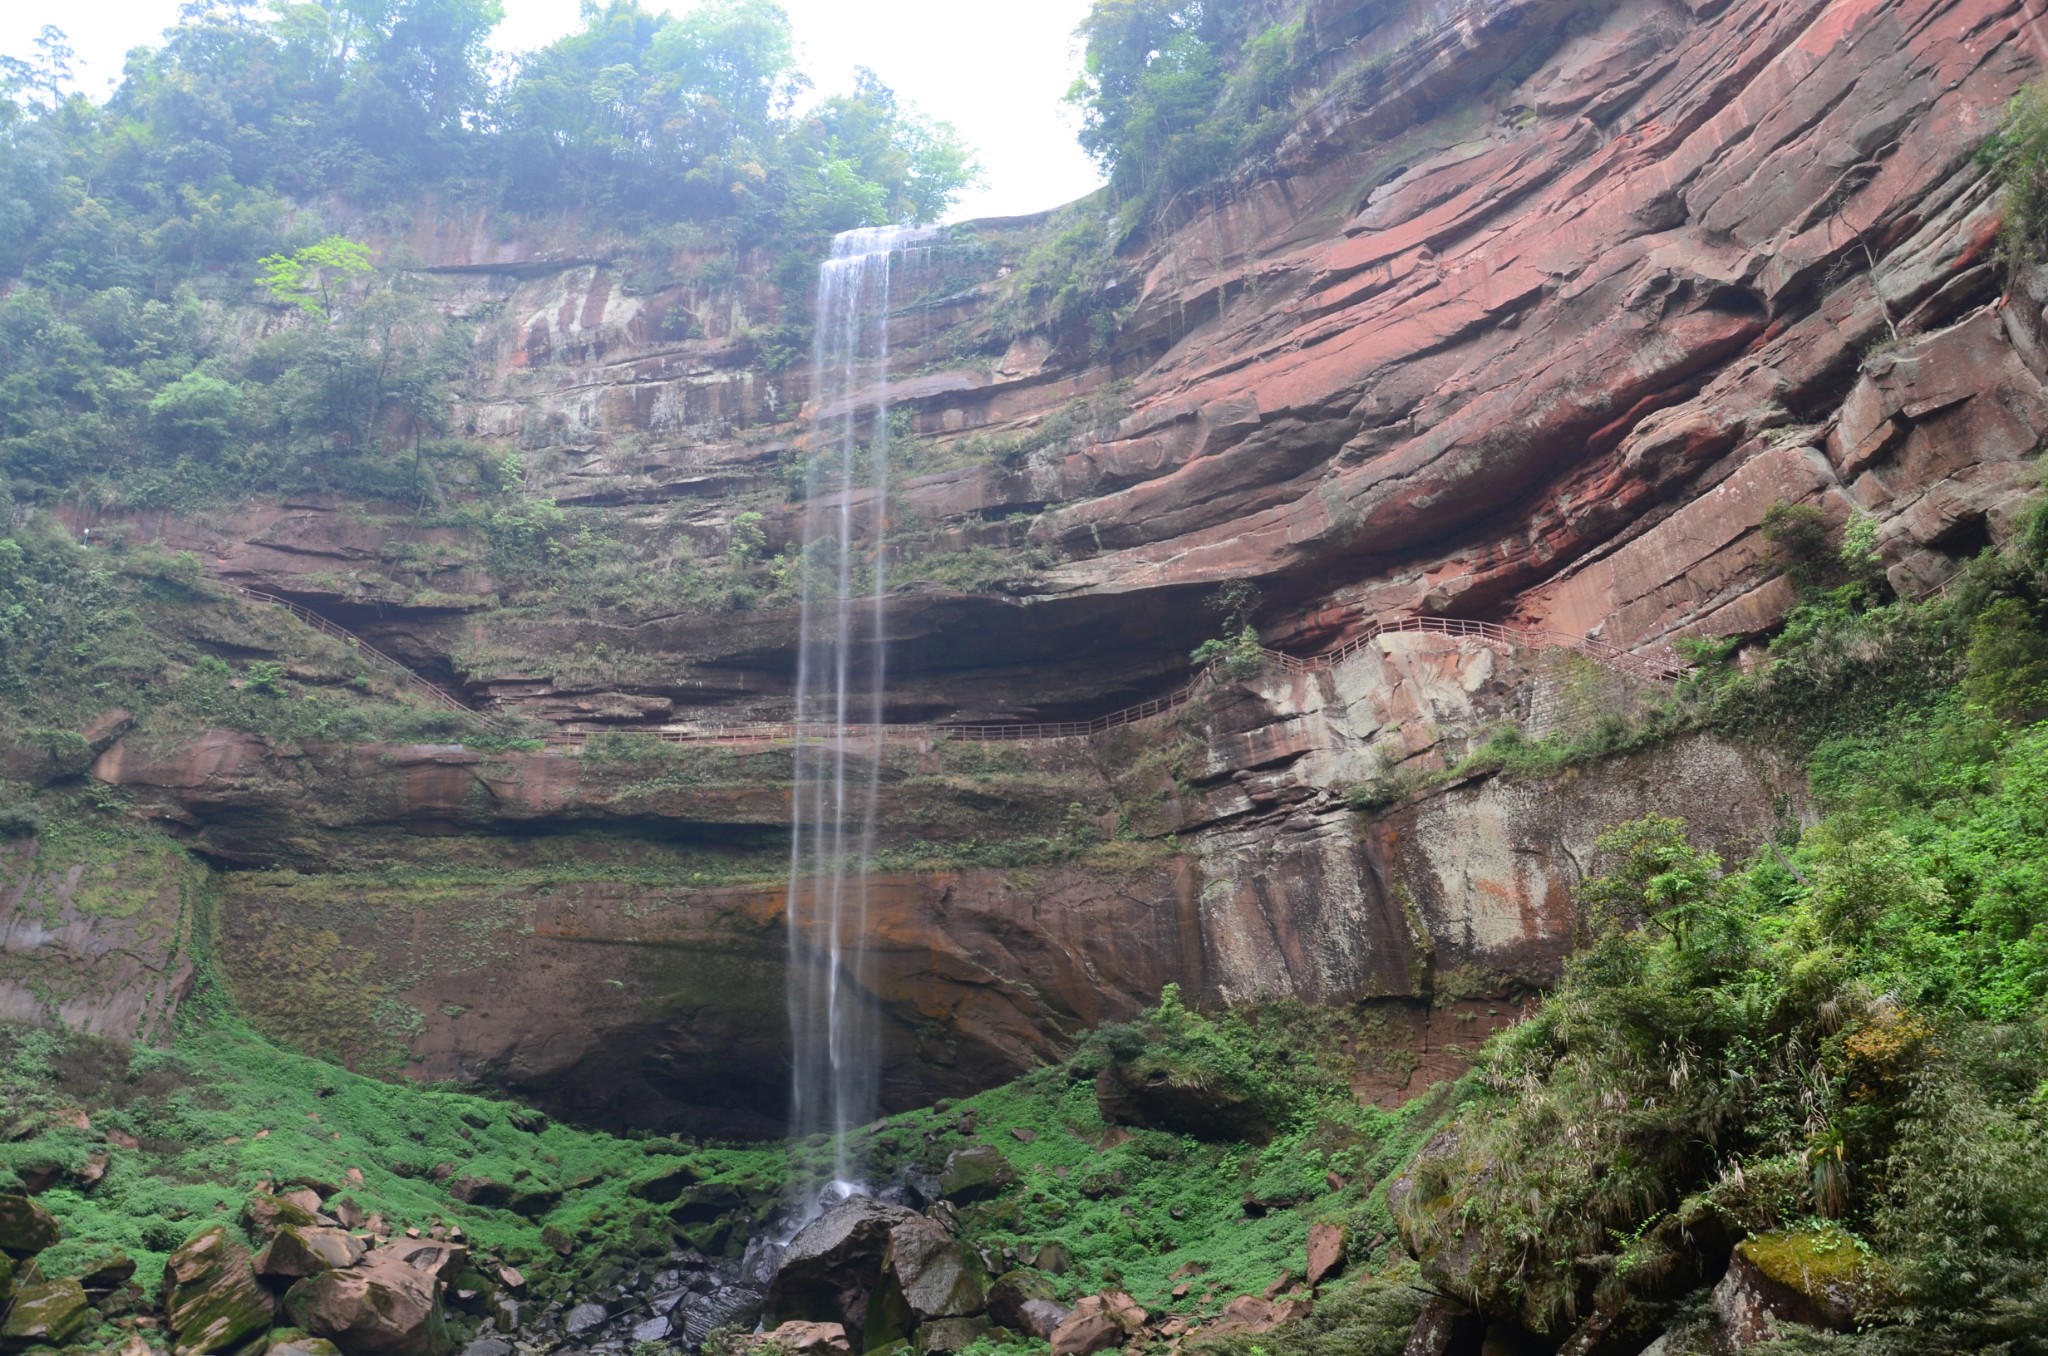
(995, 71)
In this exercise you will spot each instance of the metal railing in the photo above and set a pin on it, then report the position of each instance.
(1645, 668)
(433, 692)
(1642, 667)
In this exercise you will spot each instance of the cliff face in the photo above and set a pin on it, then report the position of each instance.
(1532, 319)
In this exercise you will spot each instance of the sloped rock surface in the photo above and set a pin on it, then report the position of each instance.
(212, 1299)
(383, 1308)
(46, 1314)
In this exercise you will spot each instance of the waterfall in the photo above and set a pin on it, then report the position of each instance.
(841, 666)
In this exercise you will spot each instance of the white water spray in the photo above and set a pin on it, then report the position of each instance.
(841, 667)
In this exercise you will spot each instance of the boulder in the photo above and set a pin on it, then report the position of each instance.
(435, 1257)
(535, 1201)
(481, 1191)
(6, 1281)
(834, 1264)
(1025, 1301)
(945, 1336)
(654, 1329)
(530, 1201)
(381, 1308)
(1084, 1334)
(936, 1276)
(1442, 1327)
(807, 1339)
(666, 1186)
(46, 1314)
(212, 1299)
(583, 1320)
(105, 1271)
(1325, 1252)
(1097, 1323)
(315, 1346)
(25, 1227)
(1160, 1096)
(264, 1213)
(1251, 1314)
(38, 1176)
(1817, 1277)
(304, 1199)
(976, 1173)
(1053, 1259)
(483, 1346)
(726, 1305)
(302, 1250)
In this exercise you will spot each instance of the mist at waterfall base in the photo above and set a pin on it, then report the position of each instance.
(841, 672)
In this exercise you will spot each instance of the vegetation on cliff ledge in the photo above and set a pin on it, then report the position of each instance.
(132, 230)
(1843, 1038)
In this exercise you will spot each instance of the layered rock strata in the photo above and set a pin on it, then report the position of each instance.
(1533, 317)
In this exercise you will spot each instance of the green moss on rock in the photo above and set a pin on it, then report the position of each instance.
(25, 1227)
(46, 1314)
(211, 1295)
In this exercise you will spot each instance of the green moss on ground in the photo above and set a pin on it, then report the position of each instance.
(224, 1111)
(1148, 1210)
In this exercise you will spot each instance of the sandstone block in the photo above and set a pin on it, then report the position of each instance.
(1325, 1252)
(976, 1173)
(26, 1228)
(265, 1213)
(1024, 1301)
(46, 1314)
(382, 1308)
(807, 1339)
(211, 1296)
(1084, 1334)
(298, 1250)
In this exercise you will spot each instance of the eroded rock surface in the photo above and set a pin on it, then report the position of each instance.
(1535, 326)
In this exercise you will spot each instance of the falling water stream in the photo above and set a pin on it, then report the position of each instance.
(841, 667)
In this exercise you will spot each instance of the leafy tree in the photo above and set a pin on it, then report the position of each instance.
(1173, 93)
(693, 116)
(196, 413)
(309, 276)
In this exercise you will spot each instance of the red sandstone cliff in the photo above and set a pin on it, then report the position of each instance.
(1542, 349)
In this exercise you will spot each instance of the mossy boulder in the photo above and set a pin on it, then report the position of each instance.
(666, 1186)
(25, 1227)
(978, 1172)
(46, 1314)
(1818, 1277)
(938, 1277)
(104, 1270)
(298, 1250)
(1157, 1091)
(945, 1336)
(264, 1214)
(211, 1295)
(1026, 1301)
(304, 1346)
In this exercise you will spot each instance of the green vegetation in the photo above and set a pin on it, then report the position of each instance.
(223, 1112)
(129, 229)
(2018, 155)
(1843, 1033)
(84, 631)
(1174, 93)
(1149, 1209)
